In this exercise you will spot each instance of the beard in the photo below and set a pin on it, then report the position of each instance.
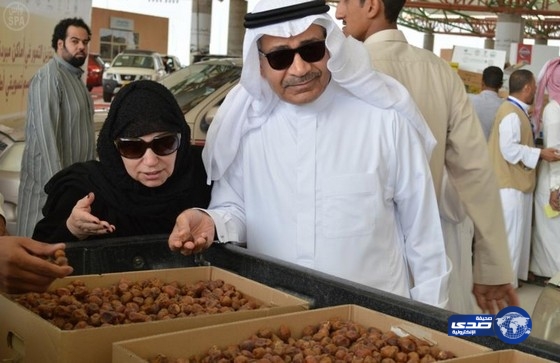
(76, 62)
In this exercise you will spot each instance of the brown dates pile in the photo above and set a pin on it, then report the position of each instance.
(332, 341)
(76, 306)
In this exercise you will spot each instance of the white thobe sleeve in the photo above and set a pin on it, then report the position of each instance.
(227, 205)
(510, 143)
(418, 214)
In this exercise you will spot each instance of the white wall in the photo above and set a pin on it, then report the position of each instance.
(179, 13)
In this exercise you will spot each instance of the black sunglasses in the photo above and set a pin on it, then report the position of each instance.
(135, 147)
(283, 58)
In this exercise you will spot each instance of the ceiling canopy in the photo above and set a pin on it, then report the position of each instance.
(479, 17)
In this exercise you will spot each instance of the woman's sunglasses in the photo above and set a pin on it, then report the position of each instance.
(283, 58)
(135, 147)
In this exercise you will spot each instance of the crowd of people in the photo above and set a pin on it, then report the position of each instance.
(329, 146)
(546, 228)
(515, 158)
(463, 179)
(527, 173)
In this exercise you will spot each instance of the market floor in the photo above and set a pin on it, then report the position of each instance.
(528, 295)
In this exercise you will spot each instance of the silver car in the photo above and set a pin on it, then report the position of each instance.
(12, 143)
(200, 89)
(11, 149)
(129, 66)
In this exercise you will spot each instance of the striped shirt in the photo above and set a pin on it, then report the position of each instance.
(59, 132)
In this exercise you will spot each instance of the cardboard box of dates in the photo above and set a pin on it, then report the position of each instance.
(503, 356)
(270, 334)
(27, 337)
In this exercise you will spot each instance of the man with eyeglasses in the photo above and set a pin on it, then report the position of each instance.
(59, 127)
(315, 161)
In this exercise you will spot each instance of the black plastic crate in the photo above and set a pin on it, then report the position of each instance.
(321, 290)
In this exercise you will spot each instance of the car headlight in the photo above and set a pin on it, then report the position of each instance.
(147, 77)
(108, 75)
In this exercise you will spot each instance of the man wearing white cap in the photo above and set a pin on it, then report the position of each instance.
(319, 161)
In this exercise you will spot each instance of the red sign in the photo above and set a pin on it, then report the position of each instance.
(524, 52)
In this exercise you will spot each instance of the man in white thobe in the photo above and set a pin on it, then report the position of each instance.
(515, 157)
(319, 161)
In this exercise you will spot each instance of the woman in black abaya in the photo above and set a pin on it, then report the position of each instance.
(146, 175)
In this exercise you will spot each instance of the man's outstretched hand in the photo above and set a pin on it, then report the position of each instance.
(493, 298)
(193, 232)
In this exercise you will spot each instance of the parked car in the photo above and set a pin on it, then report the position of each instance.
(12, 134)
(200, 57)
(95, 69)
(12, 143)
(129, 66)
(199, 89)
(172, 63)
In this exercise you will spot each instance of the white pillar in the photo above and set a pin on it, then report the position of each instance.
(226, 34)
(200, 26)
(238, 9)
(220, 27)
(509, 29)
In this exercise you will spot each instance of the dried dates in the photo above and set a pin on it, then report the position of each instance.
(334, 340)
(76, 306)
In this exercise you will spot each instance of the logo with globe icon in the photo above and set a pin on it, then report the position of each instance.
(512, 325)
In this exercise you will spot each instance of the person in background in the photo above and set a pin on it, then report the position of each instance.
(486, 102)
(319, 161)
(545, 248)
(515, 157)
(59, 128)
(24, 266)
(146, 175)
(462, 173)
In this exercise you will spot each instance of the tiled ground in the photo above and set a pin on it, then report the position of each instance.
(528, 295)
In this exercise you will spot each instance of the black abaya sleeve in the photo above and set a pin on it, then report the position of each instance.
(52, 228)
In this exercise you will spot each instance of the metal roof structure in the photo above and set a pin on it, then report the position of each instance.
(479, 17)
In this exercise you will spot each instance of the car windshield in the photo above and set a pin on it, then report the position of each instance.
(99, 61)
(193, 84)
(137, 61)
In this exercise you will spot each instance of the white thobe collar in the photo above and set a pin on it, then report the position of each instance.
(317, 106)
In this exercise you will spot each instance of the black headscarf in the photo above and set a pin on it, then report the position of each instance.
(141, 108)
